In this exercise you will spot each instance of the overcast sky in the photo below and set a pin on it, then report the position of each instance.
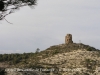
(48, 23)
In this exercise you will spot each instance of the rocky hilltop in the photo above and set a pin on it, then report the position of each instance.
(63, 59)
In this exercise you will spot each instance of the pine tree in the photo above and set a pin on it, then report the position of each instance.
(15, 4)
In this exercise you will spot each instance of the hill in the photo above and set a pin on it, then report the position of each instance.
(63, 59)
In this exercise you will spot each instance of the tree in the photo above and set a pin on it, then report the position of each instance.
(37, 50)
(15, 4)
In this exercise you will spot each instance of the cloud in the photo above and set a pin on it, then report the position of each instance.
(48, 23)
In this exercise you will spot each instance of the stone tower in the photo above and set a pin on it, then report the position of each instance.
(68, 39)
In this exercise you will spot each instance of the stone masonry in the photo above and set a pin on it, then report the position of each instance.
(68, 39)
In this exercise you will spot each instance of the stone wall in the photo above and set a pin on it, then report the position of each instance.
(68, 39)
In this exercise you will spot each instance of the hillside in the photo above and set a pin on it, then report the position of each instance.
(63, 59)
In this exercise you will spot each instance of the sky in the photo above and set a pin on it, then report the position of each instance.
(48, 23)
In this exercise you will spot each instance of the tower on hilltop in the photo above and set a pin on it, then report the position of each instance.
(68, 39)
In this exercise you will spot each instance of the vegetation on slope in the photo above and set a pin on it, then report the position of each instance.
(32, 60)
(16, 58)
